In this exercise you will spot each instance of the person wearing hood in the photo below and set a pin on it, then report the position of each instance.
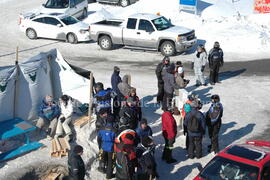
(76, 167)
(124, 87)
(180, 75)
(195, 123)
(65, 117)
(129, 111)
(136, 99)
(216, 61)
(48, 113)
(169, 131)
(147, 166)
(198, 65)
(143, 129)
(169, 86)
(160, 71)
(115, 80)
(213, 121)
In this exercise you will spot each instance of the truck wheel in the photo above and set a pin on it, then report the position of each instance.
(124, 3)
(105, 42)
(72, 38)
(31, 33)
(167, 48)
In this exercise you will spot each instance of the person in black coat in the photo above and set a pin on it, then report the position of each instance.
(216, 61)
(129, 112)
(115, 80)
(146, 160)
(76, 166)
(161, 68)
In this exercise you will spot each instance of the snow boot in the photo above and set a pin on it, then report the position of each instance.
(101, 167)
(169, 158)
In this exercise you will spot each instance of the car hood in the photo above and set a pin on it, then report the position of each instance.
(79, 25)
(177, 30)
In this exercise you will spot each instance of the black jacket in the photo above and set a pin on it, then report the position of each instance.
(215, 56)
(76, 167)
(159, 69)
(130, 113)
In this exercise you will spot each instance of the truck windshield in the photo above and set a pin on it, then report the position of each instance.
(162, 23)
(221, 169)
(68, 20)
(57, 4)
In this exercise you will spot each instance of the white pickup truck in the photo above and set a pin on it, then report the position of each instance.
(143, 31)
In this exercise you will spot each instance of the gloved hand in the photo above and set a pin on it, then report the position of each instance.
(221, 64)
(62, 119)
(192, 65)
(202, 68)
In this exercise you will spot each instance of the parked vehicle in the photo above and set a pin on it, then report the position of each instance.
(76, 8)
(143, 31)
(249, 161)
(122, 3)
(54, 26)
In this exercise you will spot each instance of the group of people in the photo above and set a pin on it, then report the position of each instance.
(170, 76)
(55, 118)
(125, 140)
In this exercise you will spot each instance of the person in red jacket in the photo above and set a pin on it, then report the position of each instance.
(169, 130)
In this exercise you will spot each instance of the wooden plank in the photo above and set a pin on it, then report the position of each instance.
(81, 121)
(58, 146)
(52, 176)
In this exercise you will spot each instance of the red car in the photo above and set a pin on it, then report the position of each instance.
(249, 161)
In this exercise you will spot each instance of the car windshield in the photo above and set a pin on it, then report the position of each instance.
(57, 4)
(162, 23)
(68, 20)
(224, 169)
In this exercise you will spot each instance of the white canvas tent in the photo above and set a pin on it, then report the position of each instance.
(44, 74)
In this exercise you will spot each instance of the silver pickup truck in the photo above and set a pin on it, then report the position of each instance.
(143, 31)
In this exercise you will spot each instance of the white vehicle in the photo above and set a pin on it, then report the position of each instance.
(76, 8)
(54, 26)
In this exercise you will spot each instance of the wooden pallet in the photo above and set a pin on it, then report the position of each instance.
(59, 147)
(51, 176)
(81, 121)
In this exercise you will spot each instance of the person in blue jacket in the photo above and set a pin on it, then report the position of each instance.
(143, 130)
(106, 136)
(48, 113)
(195, 123)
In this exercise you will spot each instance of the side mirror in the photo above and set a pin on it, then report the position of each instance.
(43, 5)
(59, 25)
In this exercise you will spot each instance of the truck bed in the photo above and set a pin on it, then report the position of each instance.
(110, 22)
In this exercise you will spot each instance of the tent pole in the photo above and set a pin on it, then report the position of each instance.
(51, 74)
(16, 83)
(90, 97)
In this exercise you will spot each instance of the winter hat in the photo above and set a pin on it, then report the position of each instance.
(216, 44)
(116, 69)
(102, 111)
(180, 70)
(48, 99)
(78, 149)
(178, 63)
(65, 98)
(99, 85)
(166, 58)
(133, 90)
(143, 121)
(215, 97)
(147, 141)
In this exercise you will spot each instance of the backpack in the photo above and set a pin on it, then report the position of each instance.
(214, 113)
(193, 123)
(216, 55)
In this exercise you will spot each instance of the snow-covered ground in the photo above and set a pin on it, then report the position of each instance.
(244, 116)
(245, 99)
